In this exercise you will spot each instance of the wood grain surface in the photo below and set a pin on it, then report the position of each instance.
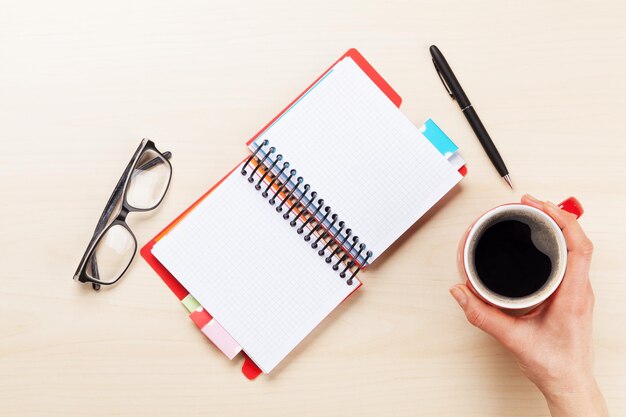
(82, 82)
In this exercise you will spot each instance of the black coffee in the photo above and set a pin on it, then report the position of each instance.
(508, 262)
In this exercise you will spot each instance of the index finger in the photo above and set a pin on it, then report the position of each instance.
(579, 246)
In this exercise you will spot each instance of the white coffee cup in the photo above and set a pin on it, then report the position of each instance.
(546, 235)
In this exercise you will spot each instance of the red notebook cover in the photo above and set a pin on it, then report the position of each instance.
(249, 369)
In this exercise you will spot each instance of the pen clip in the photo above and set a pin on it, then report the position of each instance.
(442, 81)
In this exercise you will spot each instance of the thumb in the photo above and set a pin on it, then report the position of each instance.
(484, 316)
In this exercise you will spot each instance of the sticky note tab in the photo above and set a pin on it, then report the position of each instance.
(190, 303)
(222, 339)
(214, 331)
(456, 161)
(201, 317)
(440, 140)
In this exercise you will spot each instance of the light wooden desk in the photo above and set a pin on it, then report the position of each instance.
(81, 84)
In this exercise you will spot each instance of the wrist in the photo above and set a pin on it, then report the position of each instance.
(576, 398)
(567, 385)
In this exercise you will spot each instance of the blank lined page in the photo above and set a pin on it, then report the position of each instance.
(259, 279)
(362, 155)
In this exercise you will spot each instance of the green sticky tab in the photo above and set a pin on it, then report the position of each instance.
(190, 303)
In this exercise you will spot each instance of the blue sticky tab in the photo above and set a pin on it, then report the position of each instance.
(440, 140)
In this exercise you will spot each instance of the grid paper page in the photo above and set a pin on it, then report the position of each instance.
(362, 155)
(259, 279)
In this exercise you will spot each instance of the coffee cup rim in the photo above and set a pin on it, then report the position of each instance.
(510, 302)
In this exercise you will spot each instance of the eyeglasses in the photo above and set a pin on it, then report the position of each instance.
(113, 245)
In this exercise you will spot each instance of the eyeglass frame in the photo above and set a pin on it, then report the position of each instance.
(120, 191)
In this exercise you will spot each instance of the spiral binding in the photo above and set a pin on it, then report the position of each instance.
(307, 213)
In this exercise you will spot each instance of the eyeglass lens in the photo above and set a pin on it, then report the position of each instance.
(113, 254)
(148, 181)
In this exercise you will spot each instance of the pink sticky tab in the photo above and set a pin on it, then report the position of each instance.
(222, 339)
(216, 333)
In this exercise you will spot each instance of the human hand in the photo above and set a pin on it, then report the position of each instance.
(552, 344)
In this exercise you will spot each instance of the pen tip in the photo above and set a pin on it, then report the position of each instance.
(507, 178)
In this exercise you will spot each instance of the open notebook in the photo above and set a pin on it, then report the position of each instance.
(347, 174)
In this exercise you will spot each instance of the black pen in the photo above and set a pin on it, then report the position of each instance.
(456, 92)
